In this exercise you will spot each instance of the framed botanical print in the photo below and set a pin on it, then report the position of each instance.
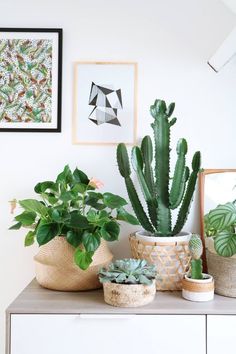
(105, 103)
(30, 79)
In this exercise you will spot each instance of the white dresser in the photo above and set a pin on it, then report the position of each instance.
(41, 321)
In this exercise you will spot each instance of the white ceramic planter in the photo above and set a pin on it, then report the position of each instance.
(128, 295)
(147, 236)
(198, 289)
(170, 254)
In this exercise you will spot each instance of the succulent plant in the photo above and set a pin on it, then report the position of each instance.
(128, 271)
(196, 249)
(161, 197)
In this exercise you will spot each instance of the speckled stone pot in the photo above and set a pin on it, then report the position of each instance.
(129, 295)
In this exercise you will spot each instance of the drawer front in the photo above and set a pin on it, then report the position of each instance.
(105, 334)
(221, 334)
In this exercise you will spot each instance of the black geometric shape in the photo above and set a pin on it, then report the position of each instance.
(118, 92)
(105, 90)
(94, 121)
(91, 89)
(94, 101)
(114, 121)
(92, 111)
(108, 105)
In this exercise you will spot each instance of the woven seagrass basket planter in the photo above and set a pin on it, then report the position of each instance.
(172, 258)
(224, 272)
(128, 295)
(56, 270)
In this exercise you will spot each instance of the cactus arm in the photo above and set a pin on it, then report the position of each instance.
(137, 206)
(185, 207)
(178, 183)
(147, 151)
(161, 131)
(196, 269)
(170, 109)
(137, 163)
(173, 121)
(124, 168)
(123, 160)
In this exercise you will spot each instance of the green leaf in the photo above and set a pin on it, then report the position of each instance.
(110, 231)
(60, 216)
(91, 241)
(46, 232)
(79, 188)
(27, 218)
(34, 206)
(16, 226)
(80, 176)
(67, 196)
(225, 244)
(78, 221)
(52, 199)
(74, 237)
(222, 216)
(29, 238)
(65, 176)
(83, 259)
(113, 201)
(92, 216)
(43, 186)
(123, 215)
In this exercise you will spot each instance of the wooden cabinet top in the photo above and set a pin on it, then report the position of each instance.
(35, 299)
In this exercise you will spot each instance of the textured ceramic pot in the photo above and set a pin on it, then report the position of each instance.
(170, 254)
(198, 289)
(128, 295)
(56, 270)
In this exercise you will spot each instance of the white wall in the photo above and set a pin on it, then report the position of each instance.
(171, 40)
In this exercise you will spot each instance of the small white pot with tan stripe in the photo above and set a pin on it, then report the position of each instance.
(198, 289)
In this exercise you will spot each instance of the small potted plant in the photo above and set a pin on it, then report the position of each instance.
(197, 286)
(128, 283)
(161, 241)
(220, 232)
(71, 223)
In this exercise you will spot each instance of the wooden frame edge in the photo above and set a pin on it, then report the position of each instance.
(202, 175)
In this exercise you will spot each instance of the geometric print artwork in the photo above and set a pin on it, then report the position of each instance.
(25, 80)
(106, 102)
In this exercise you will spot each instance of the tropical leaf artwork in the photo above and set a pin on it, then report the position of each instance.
(25, 80)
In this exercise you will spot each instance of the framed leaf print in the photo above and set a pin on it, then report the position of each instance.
(105, 103)
(30, 79)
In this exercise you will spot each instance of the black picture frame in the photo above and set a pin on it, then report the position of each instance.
(56, 35)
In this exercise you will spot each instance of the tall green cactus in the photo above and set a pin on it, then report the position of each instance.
(160, 193)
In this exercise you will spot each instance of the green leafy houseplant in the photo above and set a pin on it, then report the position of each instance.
(70, 207)
(128, 271)
(162, 192)
(220, 224)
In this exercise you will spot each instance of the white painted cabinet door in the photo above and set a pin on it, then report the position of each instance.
(106, 334)
(221, 331)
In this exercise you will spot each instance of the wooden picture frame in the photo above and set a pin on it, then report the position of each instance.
(81, 126)
(30, 79)
(202, 176)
